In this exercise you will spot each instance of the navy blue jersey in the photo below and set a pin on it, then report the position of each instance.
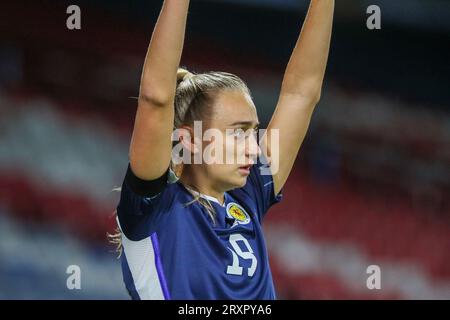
(173, 250)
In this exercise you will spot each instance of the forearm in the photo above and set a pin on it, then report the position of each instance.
(158, 81)
(306, 68)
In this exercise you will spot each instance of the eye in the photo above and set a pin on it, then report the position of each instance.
(240, 133)
(237, 133)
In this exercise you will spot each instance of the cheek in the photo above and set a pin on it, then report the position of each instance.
(232, 151)
(228, 153)
(222, 172)
(234, 146)
(229, 149)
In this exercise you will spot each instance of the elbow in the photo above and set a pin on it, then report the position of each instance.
(313, 97)
(155, 97)
(316, 97)
(308, 99)
(309, 91)
(313, 94)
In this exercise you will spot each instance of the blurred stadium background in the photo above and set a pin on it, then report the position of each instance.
(370, 187)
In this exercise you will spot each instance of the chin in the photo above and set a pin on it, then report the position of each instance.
(236, 184)
(241, 182)
(234, 181)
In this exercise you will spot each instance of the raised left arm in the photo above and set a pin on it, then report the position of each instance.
(300, 90)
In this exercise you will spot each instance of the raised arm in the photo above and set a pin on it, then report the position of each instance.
(150, 147)
(301, 89)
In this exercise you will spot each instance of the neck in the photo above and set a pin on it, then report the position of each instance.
(199, 182)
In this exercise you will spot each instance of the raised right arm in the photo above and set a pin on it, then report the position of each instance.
(150, 147)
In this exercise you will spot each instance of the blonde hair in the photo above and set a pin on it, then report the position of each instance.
(194, 97)
(196, 93)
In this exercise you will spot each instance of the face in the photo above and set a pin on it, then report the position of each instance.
(235, 150)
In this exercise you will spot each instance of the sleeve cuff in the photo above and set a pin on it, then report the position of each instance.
(145, 188)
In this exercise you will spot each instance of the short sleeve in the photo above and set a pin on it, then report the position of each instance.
(139, 208)
(260, 187)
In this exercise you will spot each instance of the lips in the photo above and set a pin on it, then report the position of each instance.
(245, 170)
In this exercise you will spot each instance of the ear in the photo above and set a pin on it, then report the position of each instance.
(189, 142)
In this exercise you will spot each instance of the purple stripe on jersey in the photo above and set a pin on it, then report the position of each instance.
(128, 278)
(159, 268)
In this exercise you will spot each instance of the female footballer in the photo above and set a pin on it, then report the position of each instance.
(192, 230)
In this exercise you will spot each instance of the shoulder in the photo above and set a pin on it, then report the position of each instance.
(139, 197)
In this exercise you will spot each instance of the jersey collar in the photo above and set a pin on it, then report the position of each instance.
(210, 198)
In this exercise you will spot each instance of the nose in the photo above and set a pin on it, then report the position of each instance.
(253, 150)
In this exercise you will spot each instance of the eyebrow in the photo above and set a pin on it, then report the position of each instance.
(245, 124)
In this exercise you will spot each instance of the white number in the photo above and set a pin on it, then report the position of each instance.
(235, 268)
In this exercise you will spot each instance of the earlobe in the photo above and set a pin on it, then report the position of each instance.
(195, 149)
(186, 141)
(194, 145)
